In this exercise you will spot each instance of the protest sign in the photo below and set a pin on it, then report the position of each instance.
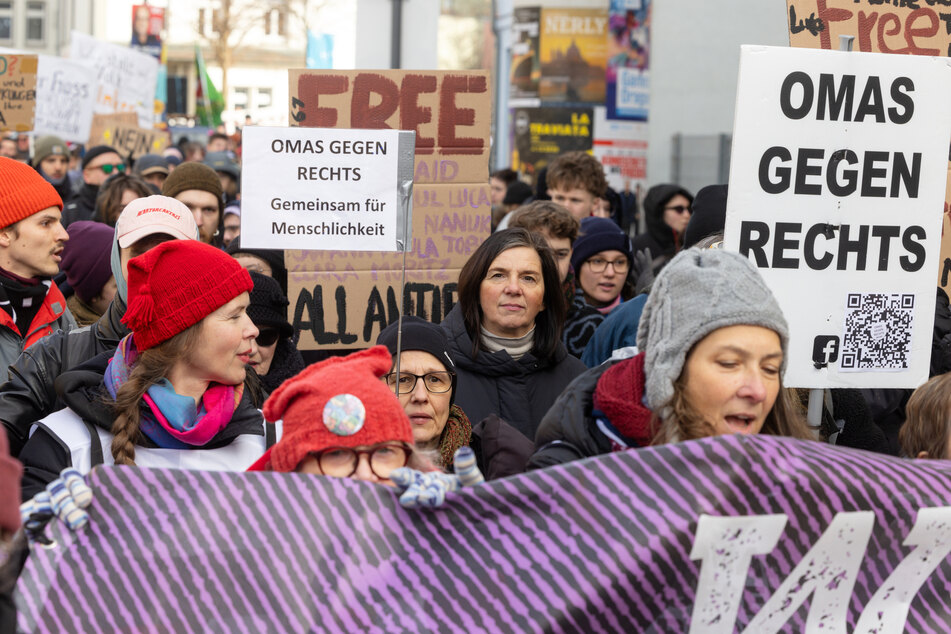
(326, 189)
(102, 124)
(898, 27)
(541, 134)
(836, 186)
(450, 111)
(17, 92)
(122, 132)
(628, 65)
(726, 534)
(65, 99)
(125, 78)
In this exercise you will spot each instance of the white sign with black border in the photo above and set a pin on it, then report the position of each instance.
(326, 189)
(836, 194)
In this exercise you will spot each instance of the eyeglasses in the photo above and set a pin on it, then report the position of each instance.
(435, 382)
(679, 208)
(108, 168)
(342, 462)
(598, 265)
(267, 337)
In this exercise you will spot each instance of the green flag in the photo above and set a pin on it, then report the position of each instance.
(208, 101)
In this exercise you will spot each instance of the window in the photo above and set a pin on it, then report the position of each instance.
(35, 22)
(240, 99)
(6, 20)
(201, 21)
(264, 98)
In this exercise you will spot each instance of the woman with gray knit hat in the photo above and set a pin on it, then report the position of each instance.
(712, 345)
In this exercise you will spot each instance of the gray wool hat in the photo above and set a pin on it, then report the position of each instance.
(699, 291)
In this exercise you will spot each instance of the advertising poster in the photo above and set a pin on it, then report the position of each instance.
(628, 65)
(148, 22)
(621, 146)
(574, 54)
(526, 64)
(541, 134)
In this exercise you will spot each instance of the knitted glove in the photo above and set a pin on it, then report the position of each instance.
(65, 498)
(429, 489)
(642, 272)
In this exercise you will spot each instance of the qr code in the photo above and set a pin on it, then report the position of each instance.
(878, 331)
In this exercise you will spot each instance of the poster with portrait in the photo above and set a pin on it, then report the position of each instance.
(148, 22)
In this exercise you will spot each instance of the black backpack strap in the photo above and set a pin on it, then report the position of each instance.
(270, 435)
(95, 445)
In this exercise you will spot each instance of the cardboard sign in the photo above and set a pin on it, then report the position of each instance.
(718, 542)
(121, 132)
(837, 182)
(17, 92)
(326, 189)
(65, 99)
(125, 78)
(348, 309)
(450, 112)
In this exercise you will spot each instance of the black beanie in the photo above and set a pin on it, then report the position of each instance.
(274, 258)
(97, 150)
(418, 334)
(268, 305)
(707, 216)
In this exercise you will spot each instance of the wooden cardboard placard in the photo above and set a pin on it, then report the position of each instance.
(122, 132)
(17, 92)
(347, 310)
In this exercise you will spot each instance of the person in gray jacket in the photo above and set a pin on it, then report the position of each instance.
(505, 332)
(28, 394)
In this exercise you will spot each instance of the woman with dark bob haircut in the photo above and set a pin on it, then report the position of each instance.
(505, 332)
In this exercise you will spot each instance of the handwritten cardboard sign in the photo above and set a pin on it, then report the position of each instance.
(65, 99)
(342, 299)
(122, 132)
(17, 92)
(125, 78)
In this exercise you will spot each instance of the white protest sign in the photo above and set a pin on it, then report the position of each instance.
(65, 99)
(837, 187)
(325, 189)
(125, 77)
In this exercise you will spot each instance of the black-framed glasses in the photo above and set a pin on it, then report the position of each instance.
(598, 265)
(678, 208)
(342, 462)
(267, 337)
(435, 382)
(108, 168)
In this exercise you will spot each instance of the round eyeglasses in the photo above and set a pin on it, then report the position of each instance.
(342, 462)
(405, 382)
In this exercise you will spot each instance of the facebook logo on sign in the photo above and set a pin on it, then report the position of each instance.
(825, 350)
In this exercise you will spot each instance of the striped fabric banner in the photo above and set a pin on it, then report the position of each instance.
(706, 536)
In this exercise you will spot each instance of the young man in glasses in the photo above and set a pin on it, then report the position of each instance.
(666, 214)
(98, 164)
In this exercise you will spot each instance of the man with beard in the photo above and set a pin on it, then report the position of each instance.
(51, 160)
(31, 241)
(199, 187)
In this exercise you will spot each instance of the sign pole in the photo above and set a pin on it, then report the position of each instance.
(407, 156)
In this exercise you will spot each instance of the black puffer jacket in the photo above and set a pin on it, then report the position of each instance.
(518, 391)
(82, 390)
(29, 395)
(659, 237)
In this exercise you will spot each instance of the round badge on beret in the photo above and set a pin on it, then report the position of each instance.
(344, 414)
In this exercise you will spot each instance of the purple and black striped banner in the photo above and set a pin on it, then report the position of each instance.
(715, 535)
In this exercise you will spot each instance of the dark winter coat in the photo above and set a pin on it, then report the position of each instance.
(82, 206)
(82, 391)
(29, 395)
(659, 237)
(518, 391)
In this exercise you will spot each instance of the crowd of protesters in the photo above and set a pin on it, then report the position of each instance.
(136, 330)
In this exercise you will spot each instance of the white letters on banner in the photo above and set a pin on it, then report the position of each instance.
(65, 99)
(320, 189)
(125, 77)
(837, 187)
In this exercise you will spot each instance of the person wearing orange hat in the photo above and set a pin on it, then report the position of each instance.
(31, 245)
(172, 394)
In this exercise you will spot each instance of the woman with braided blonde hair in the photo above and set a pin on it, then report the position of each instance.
(172, 395)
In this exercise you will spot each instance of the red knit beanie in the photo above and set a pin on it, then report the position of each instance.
(23, 192)
(339, 402)
(177, 284)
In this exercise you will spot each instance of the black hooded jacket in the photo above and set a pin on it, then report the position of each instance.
(659, 237)
(83, 391)
(519, 391)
